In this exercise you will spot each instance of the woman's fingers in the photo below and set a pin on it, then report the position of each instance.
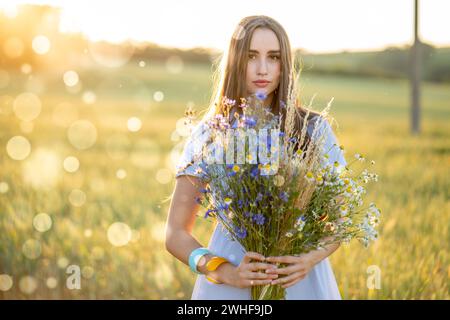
(291, 283)
(253, 255)
(259, 275)
(261, 266)
(258, 282)
(289, 278)
(286, 270)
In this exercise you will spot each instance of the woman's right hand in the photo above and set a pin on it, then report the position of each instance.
(249, 274)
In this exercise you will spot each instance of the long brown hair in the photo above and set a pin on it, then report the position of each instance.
(229, 77)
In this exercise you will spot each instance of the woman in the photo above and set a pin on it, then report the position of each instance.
(260, 53)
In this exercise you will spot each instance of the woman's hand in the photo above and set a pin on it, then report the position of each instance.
(247, 273)
(298, 268)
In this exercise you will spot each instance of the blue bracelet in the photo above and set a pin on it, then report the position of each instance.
(195, 256)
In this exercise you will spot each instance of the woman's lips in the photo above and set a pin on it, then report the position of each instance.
(261, 84)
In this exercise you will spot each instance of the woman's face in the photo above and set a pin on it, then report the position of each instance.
(263, 63)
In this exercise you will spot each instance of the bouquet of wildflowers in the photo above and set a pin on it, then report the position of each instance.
(276, 196)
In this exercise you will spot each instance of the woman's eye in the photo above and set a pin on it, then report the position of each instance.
(251, 56)
(275, 57)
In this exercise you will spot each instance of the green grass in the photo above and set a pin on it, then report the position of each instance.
(373, 117)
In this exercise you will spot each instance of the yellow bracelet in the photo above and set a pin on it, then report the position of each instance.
(212, 265)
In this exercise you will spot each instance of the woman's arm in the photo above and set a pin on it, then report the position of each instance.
(180, 223)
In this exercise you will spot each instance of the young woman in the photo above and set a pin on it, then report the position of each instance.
(259, 58)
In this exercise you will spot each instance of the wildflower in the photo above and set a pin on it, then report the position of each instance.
(261, 95)
(259, 219)
(241, 232)
(289, 234)
(250, 121)
(208, 212)
(343, 210)
(284, 196)
(227, 200)
(259, 196)
(310, 176)
(300, 223)
(236, 168)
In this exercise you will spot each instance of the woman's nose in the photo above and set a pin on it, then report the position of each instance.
(262, 68)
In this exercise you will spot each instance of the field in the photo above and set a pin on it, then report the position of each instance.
(122, 171)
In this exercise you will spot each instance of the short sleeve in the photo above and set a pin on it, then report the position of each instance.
(190, 162)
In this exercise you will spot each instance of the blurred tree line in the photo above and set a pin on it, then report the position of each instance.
(17, 33)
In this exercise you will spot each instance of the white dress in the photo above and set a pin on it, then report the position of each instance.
(319, 283)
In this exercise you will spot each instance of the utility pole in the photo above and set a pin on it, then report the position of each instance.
(415, 74)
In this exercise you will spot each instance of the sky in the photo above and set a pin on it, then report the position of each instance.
(317, 26)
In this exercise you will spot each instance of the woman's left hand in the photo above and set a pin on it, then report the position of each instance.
(298, 268)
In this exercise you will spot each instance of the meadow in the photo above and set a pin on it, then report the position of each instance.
(92, 192)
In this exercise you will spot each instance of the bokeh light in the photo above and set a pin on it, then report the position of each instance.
(42, 170)
(62, 262)
(71, 78)
(26, 68)
(6, 282)
(71, 164)
(87, 272)
(89, 97)
(27, 106)
(42, 222)
(121, 174)
(119, 234)
(82, 134)
(4, 187)
(77, 197)
(32, 249)
(158, 96)
(41, 44)
(51, 282)
(18, 147)
(134, 124)
(28, 284)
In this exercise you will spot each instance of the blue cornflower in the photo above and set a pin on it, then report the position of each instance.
(240, 203)
(259, 196)
(259, 219)
(281, 134)
(284, 196)
(254, 171)
(231, 173)
(261, 95)
(250, 121)
(198, 200)
(207, 213)
(240, 232)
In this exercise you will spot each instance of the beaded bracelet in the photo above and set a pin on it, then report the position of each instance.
(195, 256)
